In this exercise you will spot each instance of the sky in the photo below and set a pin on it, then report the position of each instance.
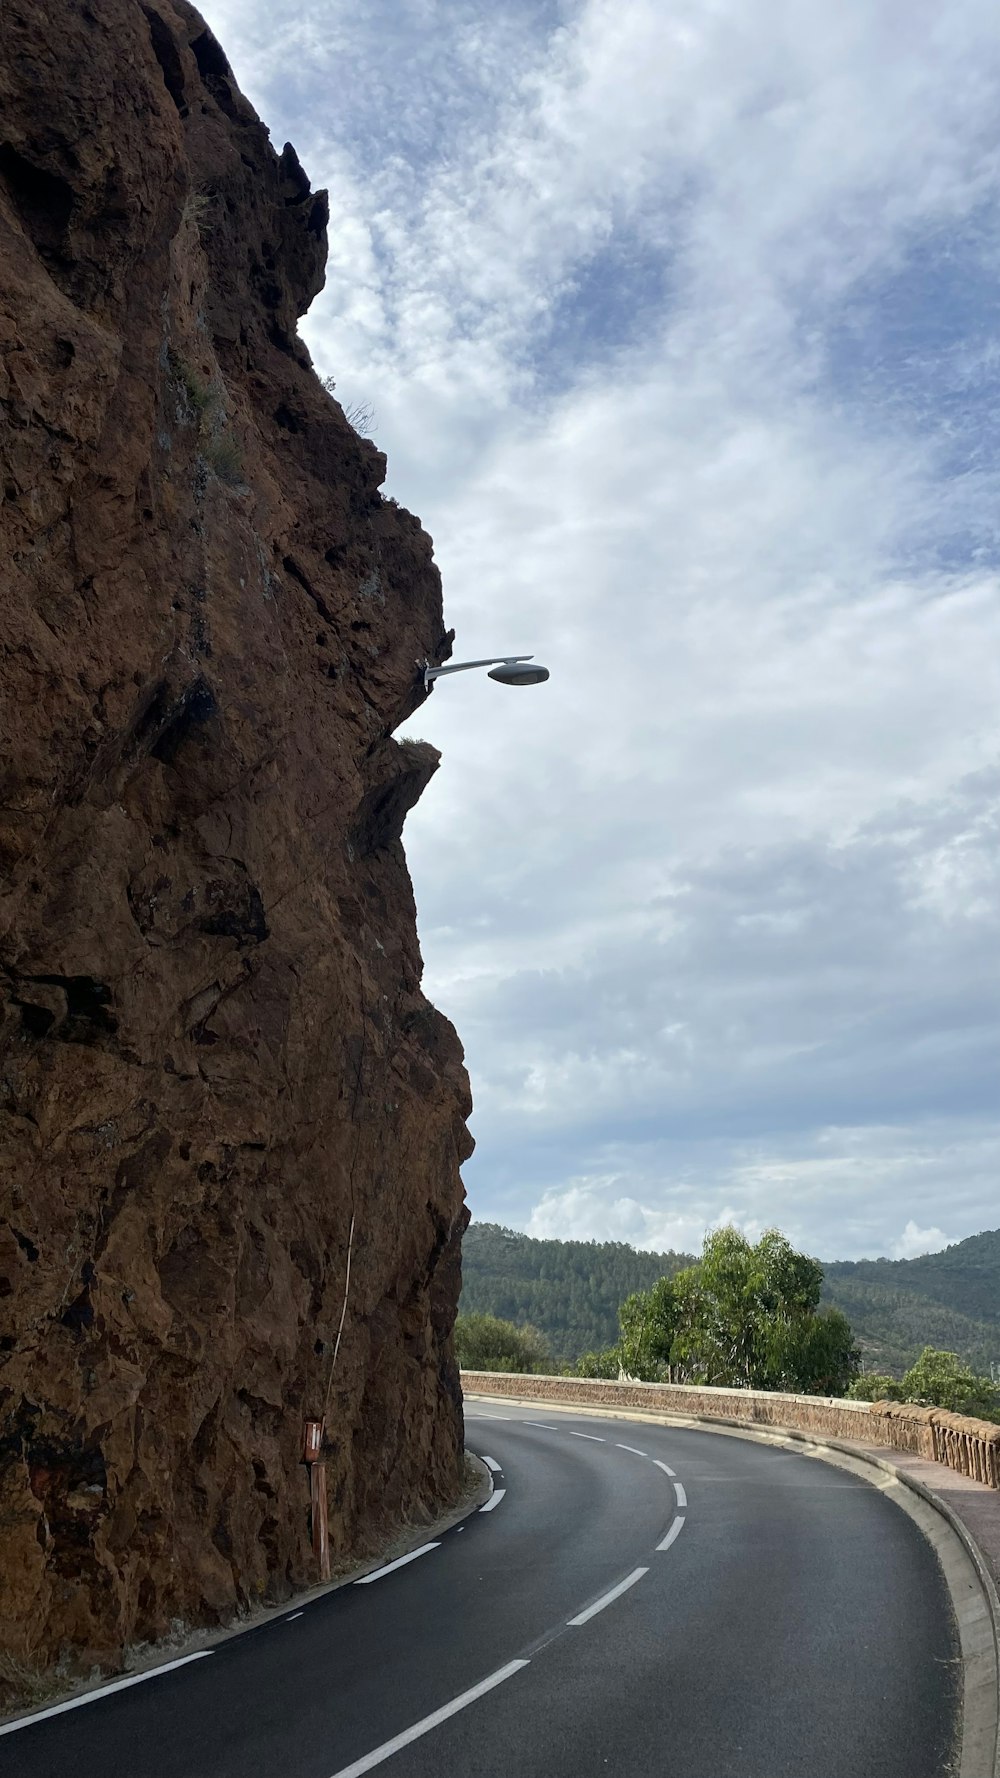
(680, 326)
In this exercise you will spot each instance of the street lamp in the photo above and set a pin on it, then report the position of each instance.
(508, 669)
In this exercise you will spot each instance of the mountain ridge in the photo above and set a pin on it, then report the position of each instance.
(567, 1289)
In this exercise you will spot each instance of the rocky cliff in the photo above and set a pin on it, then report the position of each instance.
(214, 1050)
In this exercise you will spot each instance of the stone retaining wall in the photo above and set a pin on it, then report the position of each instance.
(970, 1446)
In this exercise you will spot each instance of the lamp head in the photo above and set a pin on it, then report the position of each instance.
(519, 673)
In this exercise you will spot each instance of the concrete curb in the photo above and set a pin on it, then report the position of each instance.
(981, 1736)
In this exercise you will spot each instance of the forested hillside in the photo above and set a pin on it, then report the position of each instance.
(571, 1290)
(949, 1299)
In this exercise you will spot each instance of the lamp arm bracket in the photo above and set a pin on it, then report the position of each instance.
(497, 660)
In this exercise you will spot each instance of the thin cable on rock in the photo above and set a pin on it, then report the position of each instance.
(343, 1317)
(358, 1082)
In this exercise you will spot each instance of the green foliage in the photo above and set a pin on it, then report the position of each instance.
(485, 1343)
(963, 1277)
(648, 1323)
(743, 1316)
(200, 396)
(747, 1316)
(940, 1379)
(949, 1300)
(599, 1364)
(225, 459)
(827, 1357)
(203, 405)
(570, 1290)
(876, 1386)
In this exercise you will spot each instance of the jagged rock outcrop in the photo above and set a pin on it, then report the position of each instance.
(214, 1050)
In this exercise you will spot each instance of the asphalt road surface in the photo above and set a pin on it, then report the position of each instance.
(634, 1600)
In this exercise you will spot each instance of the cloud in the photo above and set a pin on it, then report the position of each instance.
(913, 1242)
(590, 1204)
(680, 328)
(829, 1189)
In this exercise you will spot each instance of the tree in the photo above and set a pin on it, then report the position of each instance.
(569, 1290)
(876, 1386)
(822, 1358)
(485, 1343)
(647, 1322)
(599, 1364)
(744, 1316)
(941, 1380)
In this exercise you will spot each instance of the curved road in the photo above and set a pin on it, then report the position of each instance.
(769, 1615)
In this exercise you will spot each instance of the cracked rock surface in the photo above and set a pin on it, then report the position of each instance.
(214, 1049)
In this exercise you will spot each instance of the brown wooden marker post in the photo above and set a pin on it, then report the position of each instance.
(312, 1445)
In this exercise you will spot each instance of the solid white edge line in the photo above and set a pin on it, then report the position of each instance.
(615, 1593)
(665, 1468)
(117, 1685)
(391, 1567)
(682, 1498)
(634, 1451)
(494, 1500)
(674, 1532)
(388, 1748)
(491, 1463)
(592, 1437)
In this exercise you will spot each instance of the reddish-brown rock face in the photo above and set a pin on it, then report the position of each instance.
(214, 1050)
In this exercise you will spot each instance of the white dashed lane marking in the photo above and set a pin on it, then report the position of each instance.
(583, 1617)
(671, 1537)
(400, 1562)
(388, 1748)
